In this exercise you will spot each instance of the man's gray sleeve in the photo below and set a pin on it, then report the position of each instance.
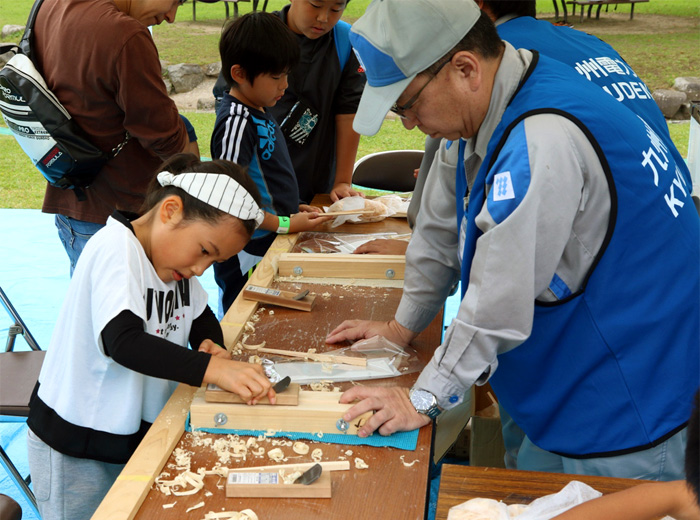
(515, 258)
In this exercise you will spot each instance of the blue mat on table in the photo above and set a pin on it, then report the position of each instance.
(400, 440)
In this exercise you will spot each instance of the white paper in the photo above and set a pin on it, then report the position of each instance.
(305, 372)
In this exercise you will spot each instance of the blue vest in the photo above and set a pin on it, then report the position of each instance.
(613, 365)
(596, 61)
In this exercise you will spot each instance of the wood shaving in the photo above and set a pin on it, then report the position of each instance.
(253, 347)
(255, 360)
(184, 480)
(311, 351)
(322, 386)
(301, 448)
(360, 464)
(272, 313)
(316, 455)
(246, 514)
(196, 506)
(249, 327)
(348, 453)
(276, 454)
(407, 464)
(289, 479)
(169, 506)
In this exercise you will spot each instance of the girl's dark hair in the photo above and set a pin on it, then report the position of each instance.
(261, 43)
(518, 7)
(481, 39)
(193, 208)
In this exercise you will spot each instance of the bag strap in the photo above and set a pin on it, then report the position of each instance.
(115, 151)
(341, 35)
(25, 42)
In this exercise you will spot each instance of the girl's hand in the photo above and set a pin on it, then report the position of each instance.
(214, 349)
(306, 221)
(245, 379)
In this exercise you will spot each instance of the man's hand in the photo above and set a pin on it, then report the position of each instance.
(342, 190)
(214, 349)
(383, 246)
(361, 329)
(393, 410)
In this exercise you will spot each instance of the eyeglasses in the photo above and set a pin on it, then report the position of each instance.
(400, 110)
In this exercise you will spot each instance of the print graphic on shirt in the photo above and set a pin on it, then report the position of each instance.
(266, 135)
(301, 131)
(165, 306)
(503, 187)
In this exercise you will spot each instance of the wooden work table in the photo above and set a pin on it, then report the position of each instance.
(461, 483)
(387, 489)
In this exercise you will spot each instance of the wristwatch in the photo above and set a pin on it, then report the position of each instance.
(424, 402)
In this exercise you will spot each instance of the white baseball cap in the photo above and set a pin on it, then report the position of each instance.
(397, 39)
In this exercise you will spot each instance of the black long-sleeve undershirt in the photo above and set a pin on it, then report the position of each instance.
(126, 342)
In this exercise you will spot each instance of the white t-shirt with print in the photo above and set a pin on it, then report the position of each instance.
(78, 381)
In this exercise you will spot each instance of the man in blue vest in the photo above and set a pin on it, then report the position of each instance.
(572, 230)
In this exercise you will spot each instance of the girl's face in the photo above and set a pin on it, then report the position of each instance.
(182, 249)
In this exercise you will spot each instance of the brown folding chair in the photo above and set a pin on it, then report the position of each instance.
(391, 170)
(9, 509)
(19, 372)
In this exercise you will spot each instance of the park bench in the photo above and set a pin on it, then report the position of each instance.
(600, 4)
(226, 2)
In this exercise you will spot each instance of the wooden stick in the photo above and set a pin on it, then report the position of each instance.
(342, 265)
(323, 358)
(350, 212)
(331, 465)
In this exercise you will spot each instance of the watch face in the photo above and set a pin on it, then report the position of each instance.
(422, 400)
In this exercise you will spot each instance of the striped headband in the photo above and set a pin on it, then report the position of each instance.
(217, 190)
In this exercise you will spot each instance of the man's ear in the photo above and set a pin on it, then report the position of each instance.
(238, 74)
(470, 68)
(171, 210)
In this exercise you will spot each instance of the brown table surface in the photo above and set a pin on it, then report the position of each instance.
(461, 483)
(360, 494)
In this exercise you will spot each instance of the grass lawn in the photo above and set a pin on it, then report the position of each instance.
(660, 47)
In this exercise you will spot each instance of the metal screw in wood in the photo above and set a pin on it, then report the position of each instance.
(342, 425)
(390, 273)
(220, 419)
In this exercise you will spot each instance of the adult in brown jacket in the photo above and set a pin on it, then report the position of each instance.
(100, 60)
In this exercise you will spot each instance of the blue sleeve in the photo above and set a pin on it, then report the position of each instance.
(190, 129)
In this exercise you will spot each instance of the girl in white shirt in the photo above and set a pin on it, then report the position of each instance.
(133, 303)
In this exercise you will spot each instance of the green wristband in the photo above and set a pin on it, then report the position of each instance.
(283, 228)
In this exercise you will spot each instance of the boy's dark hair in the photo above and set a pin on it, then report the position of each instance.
(193, 208)
(518, 7)
(481, 39)
(692, 450)
(261, 43)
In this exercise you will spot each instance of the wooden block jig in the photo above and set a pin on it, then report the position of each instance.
(279, 297)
